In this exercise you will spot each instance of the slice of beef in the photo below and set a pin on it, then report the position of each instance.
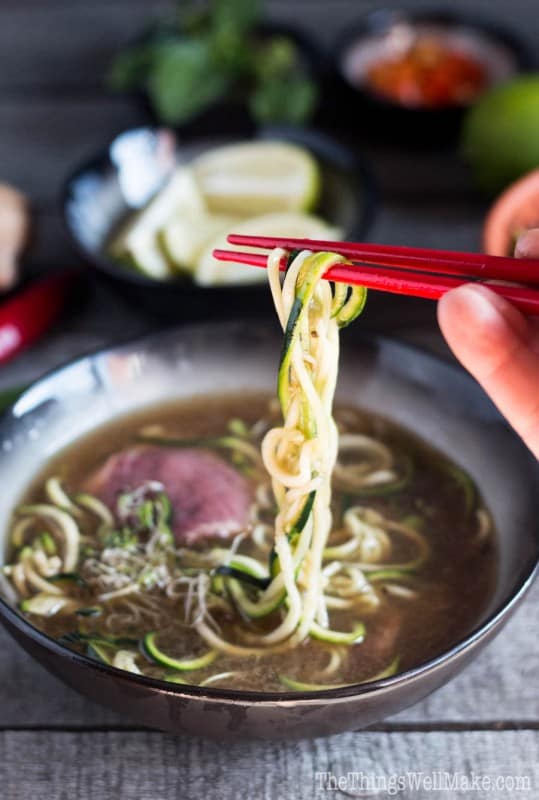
(208, 496)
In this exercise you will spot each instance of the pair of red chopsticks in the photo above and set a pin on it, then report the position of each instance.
(412, 271)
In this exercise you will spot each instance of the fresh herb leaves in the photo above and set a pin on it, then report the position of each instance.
(185, 79)
(216, 54)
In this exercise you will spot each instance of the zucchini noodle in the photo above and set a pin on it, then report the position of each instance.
(301, 454)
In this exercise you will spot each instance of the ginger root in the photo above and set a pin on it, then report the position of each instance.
(14, 233)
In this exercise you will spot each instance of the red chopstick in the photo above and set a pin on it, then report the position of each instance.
(448, 262)
(393, 281)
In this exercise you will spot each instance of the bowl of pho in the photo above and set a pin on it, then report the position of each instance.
(235, 530)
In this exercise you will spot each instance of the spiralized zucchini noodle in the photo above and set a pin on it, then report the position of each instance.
(301, 562)
(300, 455)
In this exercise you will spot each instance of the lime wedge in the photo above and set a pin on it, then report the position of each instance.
(257, 178)
(138, 243)
(184, 237)
(210, 272)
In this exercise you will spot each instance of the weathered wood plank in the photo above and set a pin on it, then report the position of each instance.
(500, 686)
(72, 43)
(146, 766)
(427, 223)
(41, 142)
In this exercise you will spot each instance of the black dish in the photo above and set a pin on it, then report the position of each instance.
(395, 122)
(94, 203)
(429, 396)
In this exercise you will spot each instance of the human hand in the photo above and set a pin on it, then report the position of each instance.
(499, 346)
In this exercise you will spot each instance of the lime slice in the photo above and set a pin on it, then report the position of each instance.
(138, 244)
(257, 178)
(184, 237)
(210, 272)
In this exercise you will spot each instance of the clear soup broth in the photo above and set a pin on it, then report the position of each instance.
(413, 581)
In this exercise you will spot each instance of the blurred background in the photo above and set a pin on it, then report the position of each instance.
(427, 167)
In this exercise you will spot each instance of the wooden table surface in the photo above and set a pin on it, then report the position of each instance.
(55, 745)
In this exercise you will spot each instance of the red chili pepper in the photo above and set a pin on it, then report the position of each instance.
(25, 317)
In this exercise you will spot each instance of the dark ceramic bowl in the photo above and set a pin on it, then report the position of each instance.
(499, 49)
(428, 396)
(100, 193)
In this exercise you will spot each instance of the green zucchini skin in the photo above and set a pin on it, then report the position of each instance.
(465, 483)
(390, 574)
(153, 653)
(355, 636)
(41, 604)
(352, 307)
(297, 528)
(300, 686)
(98, 653)
(304, 514)
(244, 577)
(251, 608)
(68, 577)
(89, 611)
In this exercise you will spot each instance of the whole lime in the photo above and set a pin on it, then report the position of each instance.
(500, 135)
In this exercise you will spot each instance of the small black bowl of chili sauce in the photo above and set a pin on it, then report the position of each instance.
(412, 75)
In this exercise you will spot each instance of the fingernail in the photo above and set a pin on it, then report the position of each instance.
(527, 245)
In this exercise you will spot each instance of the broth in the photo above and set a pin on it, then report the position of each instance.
(410, 615)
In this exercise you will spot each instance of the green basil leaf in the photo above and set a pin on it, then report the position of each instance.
(276, 58)
(184, 80)
(237, 16)
(286, 99)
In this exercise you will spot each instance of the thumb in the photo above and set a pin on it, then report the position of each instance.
(500, 347)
